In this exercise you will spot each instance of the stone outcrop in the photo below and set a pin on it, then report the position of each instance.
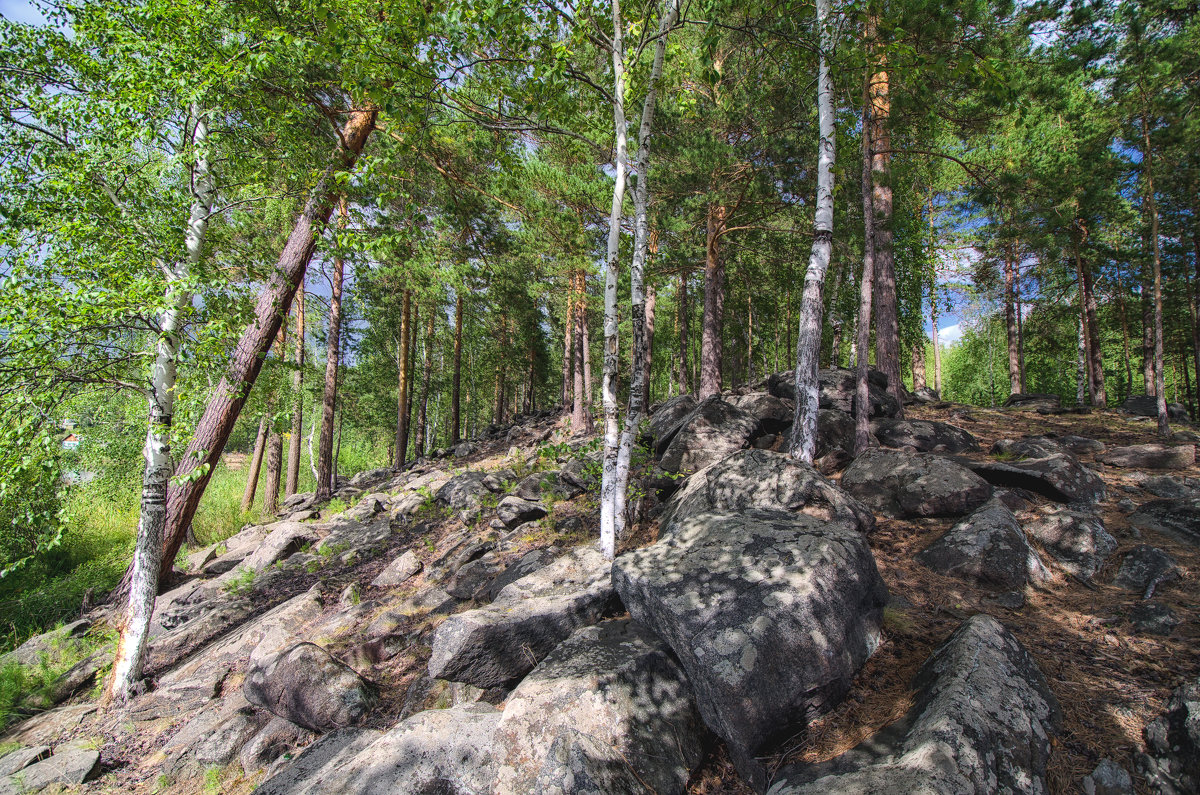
(1144, 569)
(1151, 456)
(608, 711)
(1179, 518)
(987, 548)
(497, 645)
(712, 431)
(306, 685)
(896, 483)
(770, 613)
(1059, 477)
(925, 436)
(982, 723)
(1075, 539)
(1033, 401)
(1171, 763)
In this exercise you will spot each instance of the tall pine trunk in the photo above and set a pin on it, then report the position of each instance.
(426, 376)
(581, 417)
(711, 342)
(862, 395)
(326, 466)
(610, 500)
(1160, 391)
(685, 372)
(808, 338)
(256, 459)
(148, 555)
(456, 382)
(217, 422)
(402, 359)
(887, 321)
(937, 347)
(648, 358)
(293, 463)
(566, 394)
(1010, 320)
(270, 505)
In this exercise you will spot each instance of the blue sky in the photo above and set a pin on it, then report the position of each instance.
(21, 11)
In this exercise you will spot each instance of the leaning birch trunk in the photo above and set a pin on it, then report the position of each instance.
(611, 501)
(639, 385)
(862, 395)
(293, 464)
(130, 655)
(196, 465)
(808, 341)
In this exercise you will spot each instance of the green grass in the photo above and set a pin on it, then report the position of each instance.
(32, 684)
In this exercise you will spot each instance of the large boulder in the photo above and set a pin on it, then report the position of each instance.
(497, 645)
(463, 492)
(1059, 477)
(1178, 518)
(435, 752)
(1042, 446)
(773, 412)
(613, 688)
(896, 483)
(712, 431)
(513, 511)
(981, 724)
(1033, 401)
(283, 540)
(399, 570)
(69, 767)
(987, 548)
(537, 485)
(770, 613)
(1146, 406)
(763, 480)
(925, 436)
(1144, 569)
(835, 431)
(308, 686)
(1151, 456)
(666, 418)
(1171, 764)
(837, 389)
(1077, 540)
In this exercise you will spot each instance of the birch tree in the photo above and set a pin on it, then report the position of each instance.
(808, 341)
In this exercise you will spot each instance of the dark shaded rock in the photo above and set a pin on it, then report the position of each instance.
(472, 580)
(834, 461)
(900, 484)
(540, 484)
(399, 570)
(319, 763)
(775, 414)
(1032, 401)
(1171, 764)
(513, 511)
(835, 431)
(1076, 539)
(712, 431)
(276, 738)
(1153, 618)
(925, 436)
(665, 420)
(1171, 487)
(981, 724)
(596, 715)
(925, 395)
(306, 685)
(762, 480)
(1059, 477)
(1176, 518)
(1108, 778)
(1042, 446)
(837, 390)
(771, 615)
(1146, 406)
(1151, 456)
(1009, 600)
(987, 548)
(496, 645)
(1144, 569)
(582, 472)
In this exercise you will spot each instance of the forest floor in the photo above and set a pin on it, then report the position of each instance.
(1110, 681)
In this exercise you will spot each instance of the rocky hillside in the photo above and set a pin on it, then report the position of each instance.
(989, 601)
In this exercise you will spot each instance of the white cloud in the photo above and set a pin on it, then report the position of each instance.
(949, 334)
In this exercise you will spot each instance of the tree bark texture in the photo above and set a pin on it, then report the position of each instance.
(326, 464)
(711, 342)
(402, 360)
(256, 459)
(862, 396)
(456, 384)
(293, 463)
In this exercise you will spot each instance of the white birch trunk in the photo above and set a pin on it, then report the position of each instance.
(610, 499)
(147, 556)
(641, 246)
(808, 342)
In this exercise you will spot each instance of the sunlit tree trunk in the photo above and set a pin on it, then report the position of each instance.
(581, 416)
(270, 505)
(648, 358)
(566, 394)
(256, 459)
(148, 555)
(937, 348)
(293, 464)
(685, 373)
(426, 377)
(610, 500)
(642, 311)
(1010, 320)
(1160, 390)
(808, 339)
